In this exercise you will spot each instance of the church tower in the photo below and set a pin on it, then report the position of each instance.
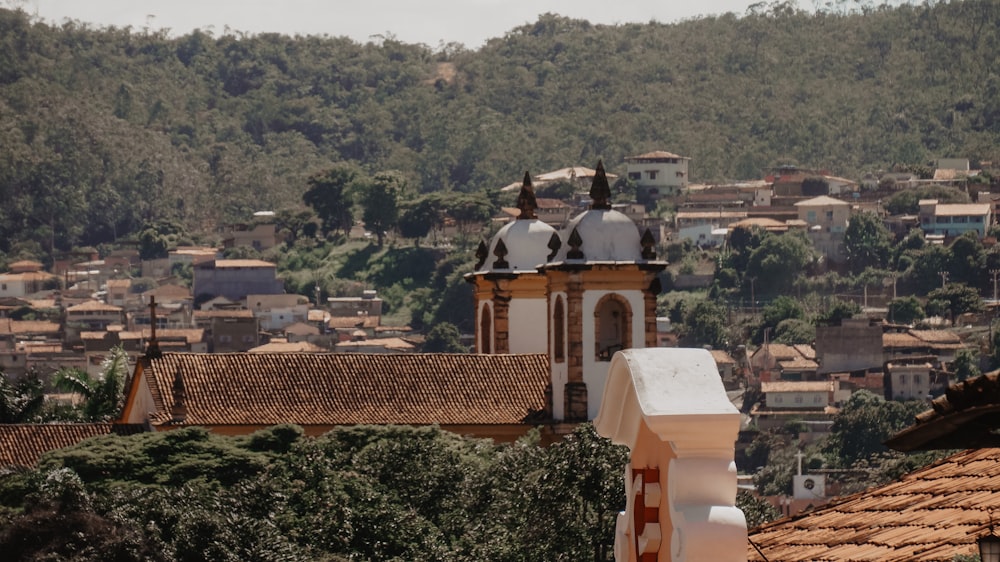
(509, 290)
(579, 295)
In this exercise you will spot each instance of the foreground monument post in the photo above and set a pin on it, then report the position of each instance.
(668, 406)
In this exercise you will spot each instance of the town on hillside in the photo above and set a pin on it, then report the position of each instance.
(813, 295)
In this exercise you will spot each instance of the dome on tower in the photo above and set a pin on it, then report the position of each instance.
(601, 233)
(522, 244)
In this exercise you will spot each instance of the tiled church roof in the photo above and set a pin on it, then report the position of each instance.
(23, 444)
(349, 389)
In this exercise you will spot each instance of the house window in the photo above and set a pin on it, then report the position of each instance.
(916, 379)
(680, 174)
(247, 339)
(811, 216)
(817, 399)
(652, 174)
(225, 339)
(635, 175)
(778, 399)
(798, 399)
(902, 379)
(612, 318)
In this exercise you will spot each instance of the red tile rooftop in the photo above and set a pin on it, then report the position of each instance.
(932, 514)
(24, 444)
(262, 389)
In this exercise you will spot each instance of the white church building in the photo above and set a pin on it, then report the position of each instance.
(578, 294)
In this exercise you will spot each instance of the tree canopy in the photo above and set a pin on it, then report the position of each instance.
(106, 130)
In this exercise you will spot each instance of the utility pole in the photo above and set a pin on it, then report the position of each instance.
(994, 273)
(753, 298)
(944, 278)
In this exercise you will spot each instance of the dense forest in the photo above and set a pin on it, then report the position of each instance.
(106, 130)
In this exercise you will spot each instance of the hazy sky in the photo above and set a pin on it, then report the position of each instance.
(412, 21)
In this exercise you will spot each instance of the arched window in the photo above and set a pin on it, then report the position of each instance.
(612, 319)
(486, 330)
(559, 331)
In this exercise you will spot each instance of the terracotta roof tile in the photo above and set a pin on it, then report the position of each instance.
(169, 291)
(890, 339)
(8, 326)
(657, 154)
(23, 444)
(722, 357)
(94, 306)
(189, 335)
(932, 514)
(781, 351)
(807, 351)
(398, 344)
(936, 336)
(796, 386)
(345, 322)
(287, 347)
(235, 313)
(351, 388)
(798, 364)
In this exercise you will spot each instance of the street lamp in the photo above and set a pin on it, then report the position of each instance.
(989, 545)
(989, 548)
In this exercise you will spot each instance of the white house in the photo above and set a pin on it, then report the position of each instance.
(658, 174)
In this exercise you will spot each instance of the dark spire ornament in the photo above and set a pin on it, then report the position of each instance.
(648, 244)
(600, 191)
(554, 244)
(500, 251)
(575, 253)
(526, 202)
(482, 252)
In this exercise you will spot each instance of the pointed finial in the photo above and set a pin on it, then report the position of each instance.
(500, 251)
(482, 252)
(648, 244)
(526, 199)
(178, 412)
(554, 244)
(600, 191)
(575, 253)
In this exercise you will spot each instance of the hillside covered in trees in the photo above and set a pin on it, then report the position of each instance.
(103, 131)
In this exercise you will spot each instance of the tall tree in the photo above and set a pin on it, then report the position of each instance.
(419, 217)
(329, 196)
(778, 261)
(867, 242)
(380, 200)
